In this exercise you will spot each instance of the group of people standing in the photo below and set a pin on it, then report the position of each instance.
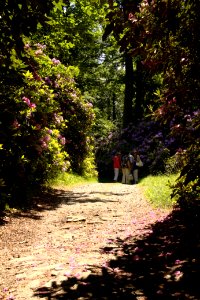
(128, 163)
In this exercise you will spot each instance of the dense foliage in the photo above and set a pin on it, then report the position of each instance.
(136, 70)
(164, 37)
(45, 123)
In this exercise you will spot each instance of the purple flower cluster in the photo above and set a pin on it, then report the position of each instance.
(154, 143)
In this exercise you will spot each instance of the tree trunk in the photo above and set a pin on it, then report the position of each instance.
(129, 91)
(139, 99)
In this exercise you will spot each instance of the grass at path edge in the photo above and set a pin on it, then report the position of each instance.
(70, 179)
(158, 191)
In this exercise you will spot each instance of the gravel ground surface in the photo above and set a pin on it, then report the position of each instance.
(72, 234)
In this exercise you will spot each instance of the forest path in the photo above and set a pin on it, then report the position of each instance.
(73, 234)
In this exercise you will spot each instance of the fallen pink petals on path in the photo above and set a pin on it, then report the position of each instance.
(67, 240)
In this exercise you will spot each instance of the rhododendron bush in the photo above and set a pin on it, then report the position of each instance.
(45, 123)
(154, 144)
(164, 37)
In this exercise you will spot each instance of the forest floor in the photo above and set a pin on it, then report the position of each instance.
(98, 241)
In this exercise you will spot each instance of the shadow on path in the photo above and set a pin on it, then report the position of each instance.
(52, 199)
(162, 265)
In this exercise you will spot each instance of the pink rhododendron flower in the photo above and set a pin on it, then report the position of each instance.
(47, 138)
(73, 95)
(38, 52)
(83, 283)
(159, 292)
(58, 119)
(132, 18)
(63, 141)
(55, 61)
(44, 145)
(40, 46)
(116, 270)
(137, 249)
(27, 46)
(16, 124)
(32, 105)
(49, 131)
(177, 262)
(105, 265)
(178, 275)
(168, 254)
(26, 100)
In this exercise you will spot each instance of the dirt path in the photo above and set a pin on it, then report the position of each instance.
(74, 235)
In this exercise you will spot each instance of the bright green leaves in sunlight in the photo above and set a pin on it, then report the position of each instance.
(46, 129)
(58, 5)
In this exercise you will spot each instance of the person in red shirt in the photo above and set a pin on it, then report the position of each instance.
(116, 165)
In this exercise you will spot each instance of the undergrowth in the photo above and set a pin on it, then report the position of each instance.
(69, 179)
(157, 189)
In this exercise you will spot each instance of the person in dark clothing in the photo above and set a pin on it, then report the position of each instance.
(136, 163)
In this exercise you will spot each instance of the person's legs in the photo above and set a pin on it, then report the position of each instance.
(127, 172)
(123, 175)
(116, 174)
(135, 175)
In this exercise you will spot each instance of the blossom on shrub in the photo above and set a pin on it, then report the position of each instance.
(55, 61)
(39, 52)
(49, 137)
(26, 100)
(15, 124)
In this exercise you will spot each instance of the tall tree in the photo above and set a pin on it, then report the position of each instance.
(120, 18)
(129, 91)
